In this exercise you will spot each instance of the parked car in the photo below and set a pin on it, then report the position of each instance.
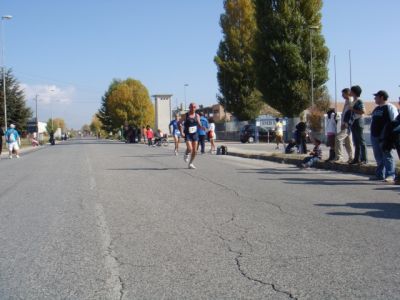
(248, 134)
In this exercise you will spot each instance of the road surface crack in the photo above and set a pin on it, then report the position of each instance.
(239, 255)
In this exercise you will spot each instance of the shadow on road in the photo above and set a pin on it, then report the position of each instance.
(377, 210)
(321, 181)
(150, 155)
(88, 142)
(145, 169)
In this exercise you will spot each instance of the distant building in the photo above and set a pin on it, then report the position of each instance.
(217, 112)
(31, 126)
(163, 112)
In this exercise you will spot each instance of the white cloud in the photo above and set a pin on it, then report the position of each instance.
(49, 93)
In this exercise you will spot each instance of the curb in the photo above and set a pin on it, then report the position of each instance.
(25, 150)
(297, 159)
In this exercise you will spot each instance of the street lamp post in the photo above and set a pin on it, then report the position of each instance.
(184, 90)
(37, 121)
(311, 28)
(3, 70)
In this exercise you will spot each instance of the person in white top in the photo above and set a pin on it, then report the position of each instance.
(211, 134)
(278, 132)
(330, 130)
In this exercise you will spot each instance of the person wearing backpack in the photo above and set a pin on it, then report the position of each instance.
(13, 140)
(382, 116)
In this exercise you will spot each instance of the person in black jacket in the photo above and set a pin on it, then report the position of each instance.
(382, 117)
(301, 137)
(1, 140)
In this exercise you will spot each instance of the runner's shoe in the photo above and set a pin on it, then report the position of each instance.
(191, 166)
(186, 157)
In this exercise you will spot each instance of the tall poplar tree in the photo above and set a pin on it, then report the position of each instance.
(282, 56)
(234, 60)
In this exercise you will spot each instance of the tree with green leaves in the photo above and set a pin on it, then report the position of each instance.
(85, 129)
(283, 56)
(96, 125)
(128, 102)
(17, 111)
(104, 114)
(236, 77)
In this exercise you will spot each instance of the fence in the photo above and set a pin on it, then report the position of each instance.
(231, 130)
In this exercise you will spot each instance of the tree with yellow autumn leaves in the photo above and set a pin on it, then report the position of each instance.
(126, 101)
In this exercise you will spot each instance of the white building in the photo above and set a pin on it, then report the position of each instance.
(163, 112)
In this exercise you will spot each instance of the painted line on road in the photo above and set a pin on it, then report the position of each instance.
(111, 264)
(114, 281)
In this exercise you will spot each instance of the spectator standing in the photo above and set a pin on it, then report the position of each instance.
(331, 129)
(396, 138)
(13, 140)
(301, 137)
(278, 132)
(344, 135)
(144, 134)
(1, 140)
(211, 135)
(202, 133)
(149, 135)
(382, 116)
(357, 126)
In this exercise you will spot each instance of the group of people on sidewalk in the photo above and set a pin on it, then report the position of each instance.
(385, 134)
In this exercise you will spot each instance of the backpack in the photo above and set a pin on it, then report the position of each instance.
(11, 137)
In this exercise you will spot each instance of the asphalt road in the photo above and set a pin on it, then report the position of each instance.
(91, 219)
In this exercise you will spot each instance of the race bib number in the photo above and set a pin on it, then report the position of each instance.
(192, 129)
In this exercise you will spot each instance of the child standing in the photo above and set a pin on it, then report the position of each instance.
(315, 155)
(330, 129)
(149, 135)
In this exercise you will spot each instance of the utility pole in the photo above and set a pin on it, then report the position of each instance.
(350, 68)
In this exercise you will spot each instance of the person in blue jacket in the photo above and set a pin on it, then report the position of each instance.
(202, 132)
(13, 140)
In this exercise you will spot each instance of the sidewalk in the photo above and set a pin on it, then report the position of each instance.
(22, 151)
(264, 151)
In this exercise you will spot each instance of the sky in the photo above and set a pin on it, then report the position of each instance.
(68, 52)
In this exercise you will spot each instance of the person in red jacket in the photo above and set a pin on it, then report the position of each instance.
(149, 135)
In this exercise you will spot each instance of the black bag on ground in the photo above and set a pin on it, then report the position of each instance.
(222, 150)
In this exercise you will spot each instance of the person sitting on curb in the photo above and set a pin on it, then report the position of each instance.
(158, 137)
(315, 155)
(290, 147)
